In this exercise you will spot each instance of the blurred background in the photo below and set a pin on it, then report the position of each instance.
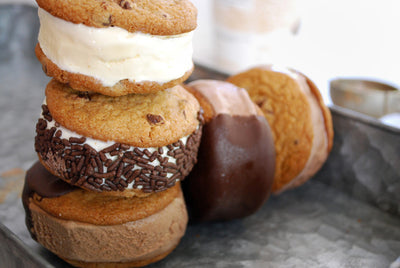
(324, 39)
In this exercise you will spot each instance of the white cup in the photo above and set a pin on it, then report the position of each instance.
(252, 32)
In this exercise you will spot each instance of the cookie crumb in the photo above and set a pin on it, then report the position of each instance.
(155, 119)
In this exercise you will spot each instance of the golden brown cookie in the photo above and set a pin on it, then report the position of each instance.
(208, 110)
(157, 17)
(235, 170)
(300, 121)
(148, 120)
(102, 143)
(86, 206)
(90, 230)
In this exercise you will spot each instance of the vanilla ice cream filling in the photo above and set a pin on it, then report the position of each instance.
(319, 149)
(112, 54)
(99, 145)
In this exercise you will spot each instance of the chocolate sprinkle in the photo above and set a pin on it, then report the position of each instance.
(118, 166)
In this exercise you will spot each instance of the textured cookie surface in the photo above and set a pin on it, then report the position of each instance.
(157, 17)
(83, 82)
(288, 113)
(152, 120)
(208, 110)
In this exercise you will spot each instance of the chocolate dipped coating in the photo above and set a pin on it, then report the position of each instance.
(39, 180)
(235, 170)
(45, 184)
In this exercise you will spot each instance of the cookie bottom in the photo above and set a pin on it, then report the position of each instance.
(131, 244)
(83, 82)
(139, 263)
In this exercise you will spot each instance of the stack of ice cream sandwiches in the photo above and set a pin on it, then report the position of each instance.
(117, 132)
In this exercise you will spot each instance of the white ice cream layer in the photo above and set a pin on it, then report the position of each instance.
(112, 54)
(319, 149)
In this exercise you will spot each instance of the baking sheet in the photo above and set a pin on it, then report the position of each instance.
(312, 226)
(338, 219)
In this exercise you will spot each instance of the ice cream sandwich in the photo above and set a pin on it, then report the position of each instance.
(300, 121)
(117, 47)
(131, 144)
(89, 229)
(235, 170)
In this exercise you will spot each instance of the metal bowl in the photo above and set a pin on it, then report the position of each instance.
(365, 96)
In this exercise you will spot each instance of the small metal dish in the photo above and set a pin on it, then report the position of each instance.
(365, 96)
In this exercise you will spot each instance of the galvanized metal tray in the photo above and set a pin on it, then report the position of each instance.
(348, 215)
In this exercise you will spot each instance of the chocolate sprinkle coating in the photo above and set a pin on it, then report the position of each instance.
(116, 167)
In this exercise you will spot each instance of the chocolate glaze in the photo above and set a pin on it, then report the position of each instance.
(235, 169)
(39, 180)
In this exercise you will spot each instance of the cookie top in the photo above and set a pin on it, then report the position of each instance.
(91, 207)
(287, 111)
(151, 120)
(157, 17)
(85, 206)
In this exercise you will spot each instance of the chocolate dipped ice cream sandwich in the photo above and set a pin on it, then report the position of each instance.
(235, 170)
